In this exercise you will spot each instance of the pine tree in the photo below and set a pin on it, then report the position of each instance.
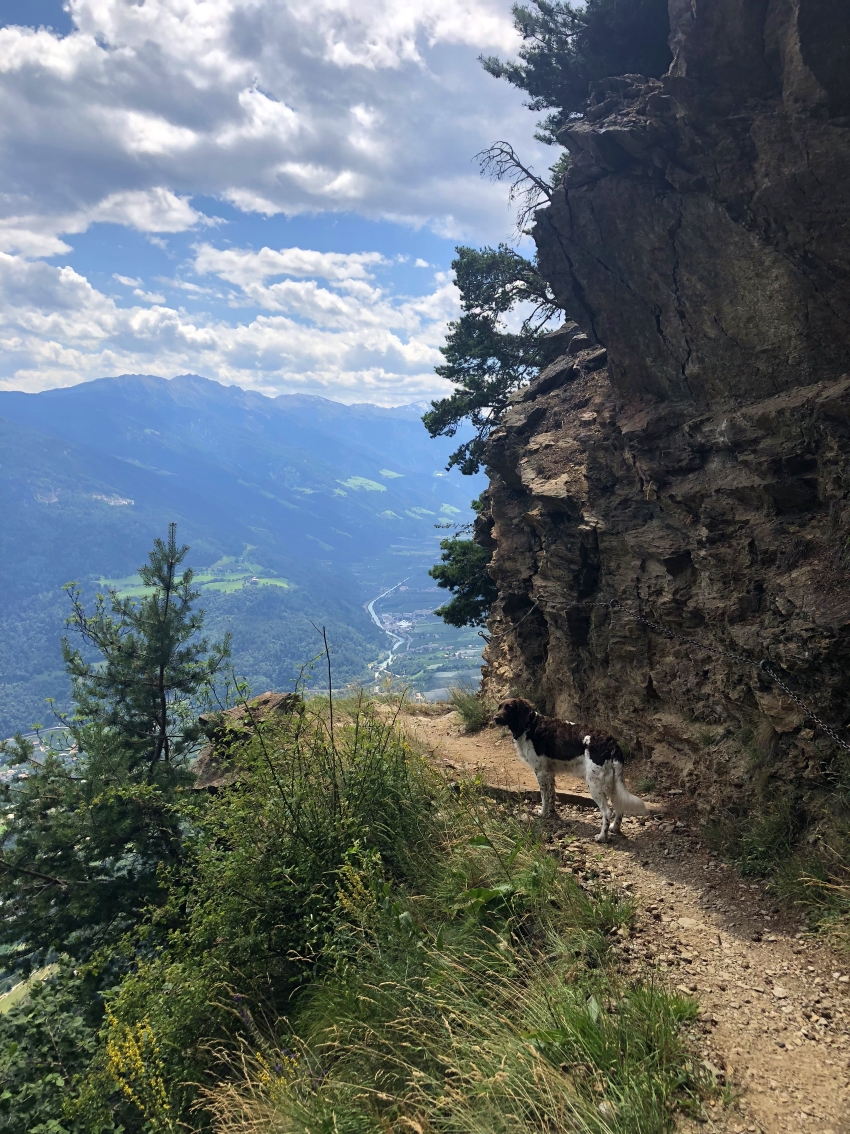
(87, 823)
(463, 571)
(153, 664)
(485, 361)
(565, 48)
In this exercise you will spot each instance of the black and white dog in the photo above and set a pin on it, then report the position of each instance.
(549, 746)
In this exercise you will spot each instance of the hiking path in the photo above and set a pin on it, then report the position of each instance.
(775, 1000)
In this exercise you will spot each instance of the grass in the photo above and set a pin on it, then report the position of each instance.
(484, 1000)
(363, 946)
(802, 851)
(362, 483)
(225, 579)
(475, 710)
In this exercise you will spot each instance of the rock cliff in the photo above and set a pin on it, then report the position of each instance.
(689, 456)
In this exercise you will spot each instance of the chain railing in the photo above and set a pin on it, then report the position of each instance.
(765, 667)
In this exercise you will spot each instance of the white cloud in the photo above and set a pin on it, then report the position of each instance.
(371, 107)
(279, 106)
(148, 210)
(241, 266)
(56, 329)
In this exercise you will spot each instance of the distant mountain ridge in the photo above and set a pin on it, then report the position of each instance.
(337, 499)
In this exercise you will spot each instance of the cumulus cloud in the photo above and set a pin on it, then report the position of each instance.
(278, 107)
(56, 329)
(146, 210)
(242, 266)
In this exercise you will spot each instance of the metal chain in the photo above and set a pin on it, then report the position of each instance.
(821, 724)
(764, 666)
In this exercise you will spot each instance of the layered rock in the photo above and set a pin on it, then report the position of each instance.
(230, 730)
(698, 472)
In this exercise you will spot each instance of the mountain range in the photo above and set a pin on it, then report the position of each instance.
(298, 510)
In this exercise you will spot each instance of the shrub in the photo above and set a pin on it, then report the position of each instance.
(482, 1003)
(475, 709)
(46, 1045)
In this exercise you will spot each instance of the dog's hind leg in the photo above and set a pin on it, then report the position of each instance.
(595, 777)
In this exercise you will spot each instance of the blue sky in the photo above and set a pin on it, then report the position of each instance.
(266, 192)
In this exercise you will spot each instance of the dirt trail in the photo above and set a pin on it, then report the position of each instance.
(775, 1004)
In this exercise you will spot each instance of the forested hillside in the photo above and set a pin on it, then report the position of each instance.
(324, 505)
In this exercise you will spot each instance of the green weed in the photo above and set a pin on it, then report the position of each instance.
(804, 855)
(475, 710)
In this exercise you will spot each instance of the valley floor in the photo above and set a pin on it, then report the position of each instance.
(775, 1001)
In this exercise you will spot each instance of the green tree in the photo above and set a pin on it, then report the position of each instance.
(87, 821)
(47, 1041)
(152, 664)
(566, 48)
(485, 361)
(463, 571)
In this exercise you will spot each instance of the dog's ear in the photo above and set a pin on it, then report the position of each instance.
(521, 710)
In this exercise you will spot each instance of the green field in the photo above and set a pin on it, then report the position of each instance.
(18, 991)
(228, 574)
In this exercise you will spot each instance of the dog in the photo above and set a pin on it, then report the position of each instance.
(549, 746)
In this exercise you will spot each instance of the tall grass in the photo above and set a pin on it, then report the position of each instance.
(453, 1048)
(475, 710)
(803, 851)
(481, 999)
(362, 946)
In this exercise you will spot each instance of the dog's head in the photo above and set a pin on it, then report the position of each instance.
(515, 713)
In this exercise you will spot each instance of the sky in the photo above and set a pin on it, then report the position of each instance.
(264, 192)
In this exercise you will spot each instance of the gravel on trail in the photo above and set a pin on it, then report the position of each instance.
(775, 1001)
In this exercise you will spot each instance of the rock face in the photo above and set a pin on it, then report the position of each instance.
(689, 454)
(215, 767)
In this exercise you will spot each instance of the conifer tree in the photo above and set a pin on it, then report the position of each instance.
(151, 665)
(566, 47)
(463, 571)
(484, 360)
(87, 823)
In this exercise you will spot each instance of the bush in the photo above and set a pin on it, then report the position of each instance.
(46, 1045)
(474, 708)
(482, 1002)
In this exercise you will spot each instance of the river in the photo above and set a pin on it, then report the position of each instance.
(394, 638)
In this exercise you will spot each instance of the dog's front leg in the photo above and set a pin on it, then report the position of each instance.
(546, 779)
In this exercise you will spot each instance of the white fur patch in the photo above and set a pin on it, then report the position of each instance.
(525, 751)
(604, 782)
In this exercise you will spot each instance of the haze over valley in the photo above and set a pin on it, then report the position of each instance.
(298, 510)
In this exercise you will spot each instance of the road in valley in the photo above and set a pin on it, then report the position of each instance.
(395, 638)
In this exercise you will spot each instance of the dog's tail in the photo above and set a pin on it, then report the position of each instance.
(624, 802)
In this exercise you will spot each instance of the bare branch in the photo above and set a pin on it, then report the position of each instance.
(499, 162)
(34, 874)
